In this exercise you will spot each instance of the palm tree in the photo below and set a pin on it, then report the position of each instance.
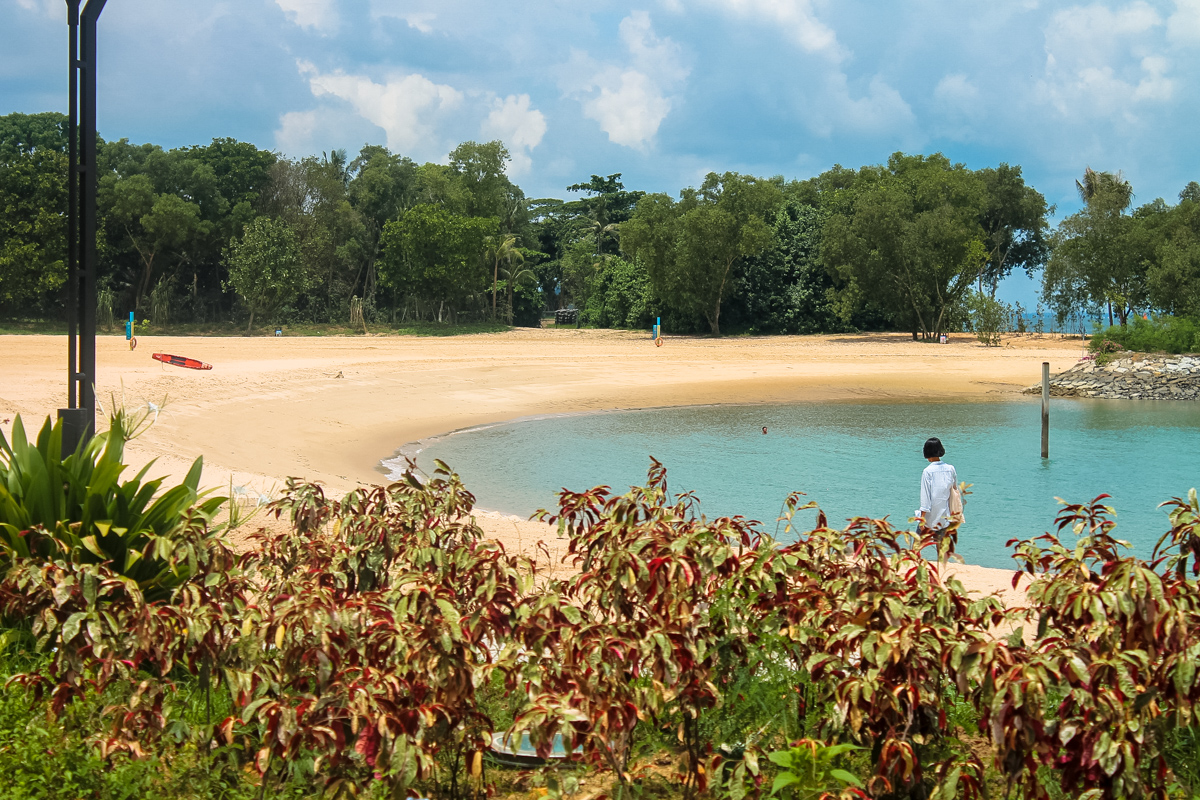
(336, 159)
(1107, 196)
(1112, 190)
(502, 247)
(512, 276)
(599, 229)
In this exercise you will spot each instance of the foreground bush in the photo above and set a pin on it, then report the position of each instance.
(376, 643)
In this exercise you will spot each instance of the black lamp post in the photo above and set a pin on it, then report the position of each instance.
(79, 417)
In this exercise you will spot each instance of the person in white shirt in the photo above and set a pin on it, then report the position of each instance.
(936, 482)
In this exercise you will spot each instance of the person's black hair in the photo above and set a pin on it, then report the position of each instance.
(933, 448)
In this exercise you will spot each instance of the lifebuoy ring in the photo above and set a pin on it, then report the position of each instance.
(658, 342)
(133, 343)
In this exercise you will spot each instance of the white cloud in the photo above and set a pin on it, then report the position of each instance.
(1103, 62)
(318, 14)
(957, 92)
(405, 106)
(449, 17)
(660, 57)
(1090, 34)
(325, 128)
(420, 21)
(795, 18)
(1183, 26)
(519, 126)
(55, 9)
(629, 102)
(1154, 84)
(881, 110)
(629, 106)
(298, 131)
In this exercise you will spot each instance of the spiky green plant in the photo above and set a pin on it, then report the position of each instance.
(77, 508)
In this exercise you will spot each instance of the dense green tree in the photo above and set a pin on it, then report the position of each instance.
(436, 256)
(885, 245)
(527, 304)
(223, 181)
(23, 134)
(910, 241)
(578, 268)
(557, 229)
(599, 214)
(481, 172)
(517, 277)
(383, 185)
(690, 248)
(618, 294)
(240, 169)
(313, 196)
(787, 289)
(1098, 258)
(1015, 224)
(1173, 277)
(265, 268)
(157, 225)
(33, 205)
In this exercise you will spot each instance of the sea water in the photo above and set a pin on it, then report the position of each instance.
(853, 459)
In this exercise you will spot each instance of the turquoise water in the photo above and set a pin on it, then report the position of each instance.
(854, 459)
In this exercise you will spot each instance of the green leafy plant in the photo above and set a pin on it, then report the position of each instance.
(1112, 667)
(106, 301)
(808, 772)
(881, 633)
(1160, 333)
(646, 631)
(378, 620)
(989, 317)
(77, 507)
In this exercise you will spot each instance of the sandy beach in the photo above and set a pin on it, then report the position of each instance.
(329, 409)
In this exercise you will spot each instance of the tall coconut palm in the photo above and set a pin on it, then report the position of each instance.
(502, 248)
(1105, 190)
(513, 275)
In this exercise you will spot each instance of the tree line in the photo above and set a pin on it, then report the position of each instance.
(228, 231)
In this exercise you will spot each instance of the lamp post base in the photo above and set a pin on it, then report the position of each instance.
(74, 428)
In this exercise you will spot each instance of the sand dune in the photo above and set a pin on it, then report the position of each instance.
(330, 409)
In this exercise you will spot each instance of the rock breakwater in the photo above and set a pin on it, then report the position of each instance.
(1129, 376)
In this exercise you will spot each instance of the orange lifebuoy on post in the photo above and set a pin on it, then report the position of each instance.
(658, 342)
(132, 342)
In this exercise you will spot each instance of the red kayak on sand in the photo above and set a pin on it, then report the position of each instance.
(180, 361)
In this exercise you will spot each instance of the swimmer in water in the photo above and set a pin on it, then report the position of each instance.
(764, 428)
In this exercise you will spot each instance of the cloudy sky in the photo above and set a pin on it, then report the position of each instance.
(662, 91)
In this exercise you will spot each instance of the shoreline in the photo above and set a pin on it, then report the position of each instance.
(331, 409)
(415, 447)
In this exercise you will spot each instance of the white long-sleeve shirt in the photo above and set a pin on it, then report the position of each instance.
(936, 481)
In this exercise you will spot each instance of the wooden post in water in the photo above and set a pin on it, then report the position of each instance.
(1045, 409)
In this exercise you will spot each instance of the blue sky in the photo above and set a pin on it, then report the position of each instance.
(662, 91)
